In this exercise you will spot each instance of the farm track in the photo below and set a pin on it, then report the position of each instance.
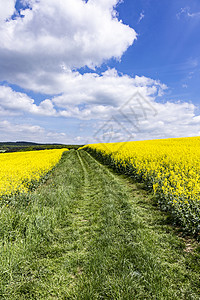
(98, 239)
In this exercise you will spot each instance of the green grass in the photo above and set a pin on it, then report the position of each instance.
(88, 233)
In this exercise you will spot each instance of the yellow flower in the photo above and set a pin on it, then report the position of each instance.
(19, 169)
(171, 165)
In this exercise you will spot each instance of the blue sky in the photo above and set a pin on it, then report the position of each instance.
(69, 69)
(168, 46)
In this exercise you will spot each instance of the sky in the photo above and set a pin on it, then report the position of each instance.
(78, 72)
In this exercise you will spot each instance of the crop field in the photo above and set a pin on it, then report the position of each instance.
(18, 171)
(170, 167)
(88, 232)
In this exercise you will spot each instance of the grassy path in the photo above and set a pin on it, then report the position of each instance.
(89, 234)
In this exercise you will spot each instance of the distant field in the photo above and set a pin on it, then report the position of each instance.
(26, 146)
(170, 167)
(21, 170)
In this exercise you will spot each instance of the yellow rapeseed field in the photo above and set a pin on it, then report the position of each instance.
(19, 169)
(170, 166)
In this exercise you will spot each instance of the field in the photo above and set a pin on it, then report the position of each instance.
(170, 167)
(20, 171)
(28, 146)
(87, 232)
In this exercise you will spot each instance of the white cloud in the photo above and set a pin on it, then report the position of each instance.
(91, 96)
(195, 120)
(186, 12)
(95, 99)
(42, 52)
(172, 120)
(194, 15)
(141, 17)
(7, 8)
(18, 132)
(55, 33)
(85, 96)
(15, 103)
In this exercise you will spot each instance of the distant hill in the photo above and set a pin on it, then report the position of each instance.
(17, 144)
(31, 146)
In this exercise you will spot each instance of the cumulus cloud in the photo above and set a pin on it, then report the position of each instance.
(86, 96)
(15, 103)
(118, 105)
(54, 34)
(92, 96)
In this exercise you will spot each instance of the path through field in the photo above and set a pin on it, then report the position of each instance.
(91, 234)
